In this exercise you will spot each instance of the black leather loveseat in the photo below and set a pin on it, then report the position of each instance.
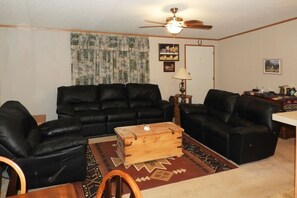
(103, 107)
(238, 127)
(49, 154)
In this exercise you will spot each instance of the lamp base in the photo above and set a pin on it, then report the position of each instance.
(182, 91)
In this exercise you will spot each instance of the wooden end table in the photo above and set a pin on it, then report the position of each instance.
(177, 101)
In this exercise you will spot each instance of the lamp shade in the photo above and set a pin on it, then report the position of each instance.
(182, 74)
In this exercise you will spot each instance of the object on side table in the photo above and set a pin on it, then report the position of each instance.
(182, 75)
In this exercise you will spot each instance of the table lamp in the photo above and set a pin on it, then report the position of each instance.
(182, 74)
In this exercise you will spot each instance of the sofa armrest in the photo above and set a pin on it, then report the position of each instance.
(61, 126)
(54, 145)
(167, 108)
(65, 109)
(192, 109)
(165, 105)
(251, 143)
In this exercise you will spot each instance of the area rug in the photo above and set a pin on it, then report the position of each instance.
(197, 161)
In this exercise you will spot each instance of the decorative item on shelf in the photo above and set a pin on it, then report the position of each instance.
(182, 75)
(168, 52)
(284, 89)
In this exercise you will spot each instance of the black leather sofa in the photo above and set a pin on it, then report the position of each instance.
(238, 127)
(49, 154)
(103, 107)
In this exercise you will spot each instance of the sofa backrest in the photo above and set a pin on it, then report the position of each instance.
(220, 103)
(143, 95)
(15, 124)
(80, 97)
(257, 110)
(112, 96)
(77, 94)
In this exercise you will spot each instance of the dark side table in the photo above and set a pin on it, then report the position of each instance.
(177, 101)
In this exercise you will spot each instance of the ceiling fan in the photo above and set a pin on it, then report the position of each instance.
(176, 24)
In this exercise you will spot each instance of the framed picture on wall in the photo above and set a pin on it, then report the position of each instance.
(272, 66)
(169, 66)
(168, 52)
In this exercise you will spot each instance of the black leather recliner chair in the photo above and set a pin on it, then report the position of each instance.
(49, 154)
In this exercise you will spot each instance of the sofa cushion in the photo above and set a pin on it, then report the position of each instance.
(119, 114)
(148, 112)
(217, 128)
(77, 94)
(92, 106)
(220, 104)
(112, 96)
(90, 117)
(240, 122)
(143, 95)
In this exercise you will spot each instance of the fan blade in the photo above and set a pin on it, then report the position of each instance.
(154, 22)
(152, 26)
(193, 22)
(203, 27)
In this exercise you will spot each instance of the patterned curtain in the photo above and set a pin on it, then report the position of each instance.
(104, 59)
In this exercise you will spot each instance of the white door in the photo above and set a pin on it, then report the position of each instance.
(200, 64)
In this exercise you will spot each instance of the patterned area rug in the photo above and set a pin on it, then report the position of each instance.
(197, 161)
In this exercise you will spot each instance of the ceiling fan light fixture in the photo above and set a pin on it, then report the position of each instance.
(174, 27)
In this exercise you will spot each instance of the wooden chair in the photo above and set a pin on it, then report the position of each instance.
(12, 187)
(114, 180)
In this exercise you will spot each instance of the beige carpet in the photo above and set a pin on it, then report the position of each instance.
(269, 178)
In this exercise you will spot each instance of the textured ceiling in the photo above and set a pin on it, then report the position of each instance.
(228, 17)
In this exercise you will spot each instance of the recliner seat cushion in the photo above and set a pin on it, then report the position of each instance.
(114, 115)
(89, 117)
(218, 129)
(91, 106)
(148, 112)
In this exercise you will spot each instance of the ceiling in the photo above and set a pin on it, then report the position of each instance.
(228, 17)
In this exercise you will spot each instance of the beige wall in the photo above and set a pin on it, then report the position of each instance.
(33, 63)
(168, 85)
(240, 65)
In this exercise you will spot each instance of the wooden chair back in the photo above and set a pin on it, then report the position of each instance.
(13, 177)
(114, 181)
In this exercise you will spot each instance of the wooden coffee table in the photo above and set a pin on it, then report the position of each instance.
(135, 144)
